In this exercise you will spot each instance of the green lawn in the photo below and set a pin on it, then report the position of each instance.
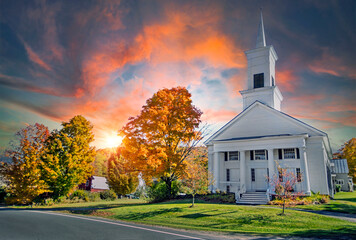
(228, 218)
(89, 205)
(343, 202)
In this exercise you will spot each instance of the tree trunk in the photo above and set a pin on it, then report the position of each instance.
(193, 199)
(284, 204)
(168, 181)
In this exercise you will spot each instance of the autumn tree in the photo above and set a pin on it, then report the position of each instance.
(120, 179)
(68, 158)
(348, 151)
(283, 184)
(158, 140)
(197, 179)
(199, 155)
(23, 173)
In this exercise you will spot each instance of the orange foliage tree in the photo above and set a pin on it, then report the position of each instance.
(158, 140)
(23, 173)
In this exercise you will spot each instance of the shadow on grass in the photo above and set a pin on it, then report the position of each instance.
(340, 207)
(340, 233)
(346, 199)
(262, 220)
(143, 215)
(85, 208)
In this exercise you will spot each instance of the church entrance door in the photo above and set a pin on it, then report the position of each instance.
(260, 182)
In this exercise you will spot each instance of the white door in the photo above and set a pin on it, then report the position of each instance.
(259, 181)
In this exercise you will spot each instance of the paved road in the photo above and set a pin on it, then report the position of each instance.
(21, 224)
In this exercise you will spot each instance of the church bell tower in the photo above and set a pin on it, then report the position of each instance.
(261, 85)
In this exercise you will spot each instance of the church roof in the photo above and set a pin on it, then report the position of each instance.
(340, 166)
(240, 115)
(257, 137)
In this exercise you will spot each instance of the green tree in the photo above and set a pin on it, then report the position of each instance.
(348, 151)
(69, 156)
(100, 163)
(158, 141)
(120, 179)
(23, 173)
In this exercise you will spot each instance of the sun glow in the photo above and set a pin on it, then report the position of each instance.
(113, 141)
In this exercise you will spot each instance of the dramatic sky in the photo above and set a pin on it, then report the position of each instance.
(103, 59)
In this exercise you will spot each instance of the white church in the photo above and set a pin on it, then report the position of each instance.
(248, 149)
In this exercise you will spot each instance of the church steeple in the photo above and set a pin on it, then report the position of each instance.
(261, 84)
(261, 40)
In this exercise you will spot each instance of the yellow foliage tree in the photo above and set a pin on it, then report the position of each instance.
(196, 179)
(348, 151)
(158, 141)
(23, 174)
(120, 180)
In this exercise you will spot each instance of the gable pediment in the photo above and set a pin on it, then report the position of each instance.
(261, 120)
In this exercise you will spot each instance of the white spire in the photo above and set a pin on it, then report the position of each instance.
(261, 41)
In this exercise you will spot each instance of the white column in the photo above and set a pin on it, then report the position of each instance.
(216, 170)
(242, 172)
(211, 168)
(270, 164)
(304, 164)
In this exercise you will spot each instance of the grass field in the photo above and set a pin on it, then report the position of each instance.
(228, 218)
(343, 202)
(89, 205)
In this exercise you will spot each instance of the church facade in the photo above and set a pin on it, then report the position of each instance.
(251, 147)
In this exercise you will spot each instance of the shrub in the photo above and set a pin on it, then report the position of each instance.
(158, 192)
(94, 196)
(108, 195)
(2, 194)
(318, 198)
(48, 202)
(80, 195)
(219, 197)
(338, 187)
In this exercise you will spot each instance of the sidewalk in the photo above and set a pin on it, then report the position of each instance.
(343, 216)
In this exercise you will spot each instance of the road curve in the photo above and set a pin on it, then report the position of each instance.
(18, 224)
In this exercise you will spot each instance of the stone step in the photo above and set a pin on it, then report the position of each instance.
(253, 198)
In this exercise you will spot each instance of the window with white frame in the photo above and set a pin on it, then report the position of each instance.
(234, 156)
(339, 181)
(288, 153)
(258, 155)
(299, 175)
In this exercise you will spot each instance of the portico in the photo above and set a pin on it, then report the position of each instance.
(256, 161)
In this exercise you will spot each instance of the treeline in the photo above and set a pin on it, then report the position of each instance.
(160, 145)
(49, 164)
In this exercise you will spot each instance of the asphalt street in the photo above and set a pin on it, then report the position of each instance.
(28, 224)
(36, 225)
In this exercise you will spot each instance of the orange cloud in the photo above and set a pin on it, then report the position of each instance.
(332, 109)
(222, 115)
(286, 80)
(332, 65)
(35, 58)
